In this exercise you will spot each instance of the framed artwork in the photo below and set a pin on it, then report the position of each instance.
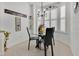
(17, 23)
(76, 7)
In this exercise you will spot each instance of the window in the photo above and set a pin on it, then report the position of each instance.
(54, 14)
(54, 24)
(47, 15)
(62, 18)
(39, 19)
(46, 24)
(54, 18)
(46, 20)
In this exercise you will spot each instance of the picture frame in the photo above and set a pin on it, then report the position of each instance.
(17, 23)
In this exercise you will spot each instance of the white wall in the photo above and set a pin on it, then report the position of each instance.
(74, 31)
(1, 34)
(9, 22)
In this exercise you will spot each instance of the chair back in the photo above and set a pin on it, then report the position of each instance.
(28, 32)
(53, 30)
(49, 35)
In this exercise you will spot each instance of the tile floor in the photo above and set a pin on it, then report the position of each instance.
(60, 49)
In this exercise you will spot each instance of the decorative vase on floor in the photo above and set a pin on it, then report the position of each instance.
(6, 34)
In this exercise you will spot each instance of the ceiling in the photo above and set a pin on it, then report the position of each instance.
(45, 4)
(38, 4)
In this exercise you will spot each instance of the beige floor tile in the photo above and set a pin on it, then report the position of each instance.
(60, 49)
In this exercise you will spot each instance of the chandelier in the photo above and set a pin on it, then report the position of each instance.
(41, 11)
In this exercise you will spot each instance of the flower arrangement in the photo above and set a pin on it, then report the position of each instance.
(41, 29)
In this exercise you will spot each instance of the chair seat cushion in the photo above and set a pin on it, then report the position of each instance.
(34, 38)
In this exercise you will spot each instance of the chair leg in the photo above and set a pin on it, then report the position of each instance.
(53, 40)
(45, 51)
(29, 45)
(40, 46)
(37, 43)
(52, 50)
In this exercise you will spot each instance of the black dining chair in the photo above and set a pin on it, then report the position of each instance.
(31, 38)
(48, 40)
(53, 35)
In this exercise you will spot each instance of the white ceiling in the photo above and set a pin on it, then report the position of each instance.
(38, 4)
(45, 4)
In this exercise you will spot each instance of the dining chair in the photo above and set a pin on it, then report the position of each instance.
(48, 40)
(53, 35)
(31, 38)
